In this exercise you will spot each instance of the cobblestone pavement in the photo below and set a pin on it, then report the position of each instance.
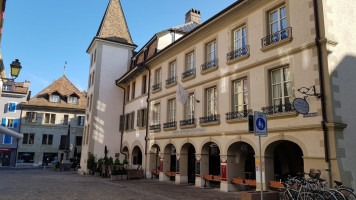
(36, 183)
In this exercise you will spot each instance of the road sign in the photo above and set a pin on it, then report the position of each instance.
(301, 105)
(260, 124)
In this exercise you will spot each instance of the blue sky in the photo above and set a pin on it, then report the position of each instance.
(43, 34)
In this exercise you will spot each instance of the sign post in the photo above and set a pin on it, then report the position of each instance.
(260, 129)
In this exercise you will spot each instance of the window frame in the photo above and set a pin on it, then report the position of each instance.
(236, 104)
(172, 69)
(31, 117)
(156, 114)
(208, 101)
(189, 107)
(81, 120)
(48, 138)
(279, 19)
(172, 109)
(158, 76)
(28, 138)
(52, 96)
(190, 63)
(282, 85)
(51, 120)
(210, 51)
(10, 105)
(133, 90)
(144, 84)
(3, 140)
(236, 39)
(72, 100)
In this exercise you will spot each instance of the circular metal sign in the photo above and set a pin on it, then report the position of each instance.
(301, 105)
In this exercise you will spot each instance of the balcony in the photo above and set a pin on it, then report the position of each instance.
(238, 114)
(238, 54)
(278, 109)
(171, 81)
(210, 120)
(277, 38)
(155, 127)
(188, 74)
(156, 87)
(170, 125)
(209, 66)
(187, 123)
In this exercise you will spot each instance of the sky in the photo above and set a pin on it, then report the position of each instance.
(44, 34)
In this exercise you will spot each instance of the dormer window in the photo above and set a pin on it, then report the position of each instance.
(72, 100)
(54, 98)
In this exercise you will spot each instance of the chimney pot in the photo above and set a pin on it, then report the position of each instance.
(193, 15)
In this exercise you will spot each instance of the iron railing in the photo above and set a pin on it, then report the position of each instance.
(209, 65)
(277, 37)
(187, 122)
(209, 119)
(155, 127)
(238, 53)
(156, 87)
(278, 109)
(170, 124)
(238, 114)
(171, 81)
(188, 73)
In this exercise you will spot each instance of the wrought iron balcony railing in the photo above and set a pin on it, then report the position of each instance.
(238, 114)
(277, 37)
(171, 81)
(188, 73)
(238, 53)
(187, 122)
(170, 124)
(209, 119)
(156, 87)
(155, 127)
(209, 65)
(278, 109)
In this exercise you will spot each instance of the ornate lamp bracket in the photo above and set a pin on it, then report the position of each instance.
(307, 92)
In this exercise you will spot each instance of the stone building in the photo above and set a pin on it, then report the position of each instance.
(44, 123)
(251, 56)
(13, 94)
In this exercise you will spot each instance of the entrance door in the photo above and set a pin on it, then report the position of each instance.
(6, 158)
(191, 164)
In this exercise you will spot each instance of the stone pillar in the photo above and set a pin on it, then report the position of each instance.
(261, 166)
(224, 184)
(164, 160)
(182, 168)
(202, 168)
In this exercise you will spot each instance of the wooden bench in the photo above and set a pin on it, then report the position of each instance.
(171, 173)
(275, 185)
(155, 172)
(251, 183)
(211, 178)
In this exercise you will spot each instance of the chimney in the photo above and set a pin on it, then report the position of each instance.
(193, 16)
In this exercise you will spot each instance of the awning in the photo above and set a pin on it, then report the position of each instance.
(11, 133)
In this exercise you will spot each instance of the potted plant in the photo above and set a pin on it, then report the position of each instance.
(123, 174)
(58, 165)
(115, 174)
(91, 165)
(117, 161)
(101, 166)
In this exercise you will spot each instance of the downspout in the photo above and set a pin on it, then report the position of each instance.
(123, 114)
(322, 90)
(148, 106)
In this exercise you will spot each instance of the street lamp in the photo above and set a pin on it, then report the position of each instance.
(15, 68)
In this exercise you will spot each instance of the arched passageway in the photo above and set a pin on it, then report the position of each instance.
(283, 158)
(125, 151)
(136, 156)
(241, 161)
(210, 161)
(170, 160)
(187, 163)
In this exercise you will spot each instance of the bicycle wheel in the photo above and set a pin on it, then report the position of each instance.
(305, 196)
(286, 196)
(318, 196)
(348, 194)
(337, 194)
(328, 195)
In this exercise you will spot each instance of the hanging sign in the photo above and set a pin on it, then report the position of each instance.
(301, 105)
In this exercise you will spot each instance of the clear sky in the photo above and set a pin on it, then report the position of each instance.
(43, 34)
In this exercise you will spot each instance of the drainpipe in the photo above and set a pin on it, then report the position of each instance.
(148, 106)
(123, 114)
(322, 89)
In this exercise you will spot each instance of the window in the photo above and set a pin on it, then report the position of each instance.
(190, 61)
(54, 98)
(128, 93)
(172, 70)
(133, 90)
(28, 138)
(50, 118)
(31, 117)
(65, 119)
(78, 141)
(89, 81)
(132, 120)
(7, 139)
(93, 78)
(240, 95)
(211, 51)
(90, 101)
(88, 134)
(239, 38)
(9, 122)
(211, 100)
(278, 20)
(6, 87)
(171, 110)
(47, 139)
(156, 113)
(141, 118)
(281, 86)
(81, 120)
(158, 76)
(122, 123)
(72, 100)
(144, 80)
(12, 107)
(189, 107)
(129, 121)
(62, 145)
(26, 157)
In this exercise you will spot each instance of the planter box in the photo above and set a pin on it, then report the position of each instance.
(116, 177)
(256, 195)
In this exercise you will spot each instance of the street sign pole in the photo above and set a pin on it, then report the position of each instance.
(259, 137)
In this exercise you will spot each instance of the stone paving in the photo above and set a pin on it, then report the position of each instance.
(36, 183)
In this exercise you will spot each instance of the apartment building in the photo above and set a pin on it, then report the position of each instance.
(45, 120)
(251, 56)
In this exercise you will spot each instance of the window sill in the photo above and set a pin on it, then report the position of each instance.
(156, 130)
(188, 78)
(155, 91)
(210, 124)
(235, 60)
(238, 120)
(188, 126)
(282, 115)
(170, 129)
(171, 85)
(277, 44)
(209, 70)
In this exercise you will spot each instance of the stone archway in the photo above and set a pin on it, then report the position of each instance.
(241, 161)
(169, 160)
(187, 165)
(210, 161)
(126, 152)
(136, 156)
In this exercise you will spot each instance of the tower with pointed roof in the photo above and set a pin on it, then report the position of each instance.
(110, 50)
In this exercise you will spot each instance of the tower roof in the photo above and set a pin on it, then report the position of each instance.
(113, 26)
